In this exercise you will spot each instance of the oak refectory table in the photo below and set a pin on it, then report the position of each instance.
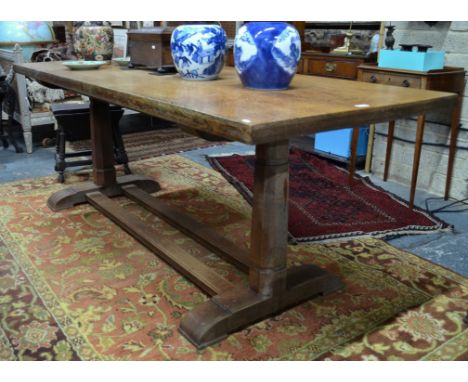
(224, 108)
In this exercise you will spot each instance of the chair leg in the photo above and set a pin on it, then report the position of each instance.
(60, 155)
(18, 149)
(5, 143)
(61, 177)
(2, 136)
(9, 137)
(127, 170)
(4, 140)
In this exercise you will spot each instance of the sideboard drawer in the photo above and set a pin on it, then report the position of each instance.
(392, 79)
(331, 68)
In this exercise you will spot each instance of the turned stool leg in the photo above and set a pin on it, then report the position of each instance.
(60, 154)
(120, 153)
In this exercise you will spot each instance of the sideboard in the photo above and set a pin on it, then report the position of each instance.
(331, 65)
(448, 79)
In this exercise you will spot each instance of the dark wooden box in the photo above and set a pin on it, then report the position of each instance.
(150, 47)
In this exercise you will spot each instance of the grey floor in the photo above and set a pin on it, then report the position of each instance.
(447, 249)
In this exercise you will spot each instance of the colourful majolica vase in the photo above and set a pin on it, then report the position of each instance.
(94, 41)
(266, 54)
(198, 51)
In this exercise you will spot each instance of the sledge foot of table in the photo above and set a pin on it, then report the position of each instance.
(237, 308)
(76, 194)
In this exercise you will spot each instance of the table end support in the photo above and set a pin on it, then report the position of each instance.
(214, 320)
(76, 194)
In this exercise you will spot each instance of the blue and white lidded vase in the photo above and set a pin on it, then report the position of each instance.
(266, 54)
(198, 51)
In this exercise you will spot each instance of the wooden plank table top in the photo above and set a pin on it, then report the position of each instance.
(225, 108)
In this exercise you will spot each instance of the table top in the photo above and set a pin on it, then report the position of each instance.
(225, 108)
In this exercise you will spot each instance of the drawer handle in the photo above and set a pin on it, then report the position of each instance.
(405, 83)
(373, 79)
(329, 67)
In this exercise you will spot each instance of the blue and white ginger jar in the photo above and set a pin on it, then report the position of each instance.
(198, 51)
(266, 54)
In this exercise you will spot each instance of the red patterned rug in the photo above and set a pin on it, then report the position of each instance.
(322, 205)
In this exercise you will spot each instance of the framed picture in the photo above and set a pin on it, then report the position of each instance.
(120, 43)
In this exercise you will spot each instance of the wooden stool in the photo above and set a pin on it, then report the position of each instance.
(73, 122)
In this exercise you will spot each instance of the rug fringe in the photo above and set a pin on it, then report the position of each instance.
(250, 152)
(385, 235)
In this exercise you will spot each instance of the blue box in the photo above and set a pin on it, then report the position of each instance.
(338, 142)
(420, 61)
